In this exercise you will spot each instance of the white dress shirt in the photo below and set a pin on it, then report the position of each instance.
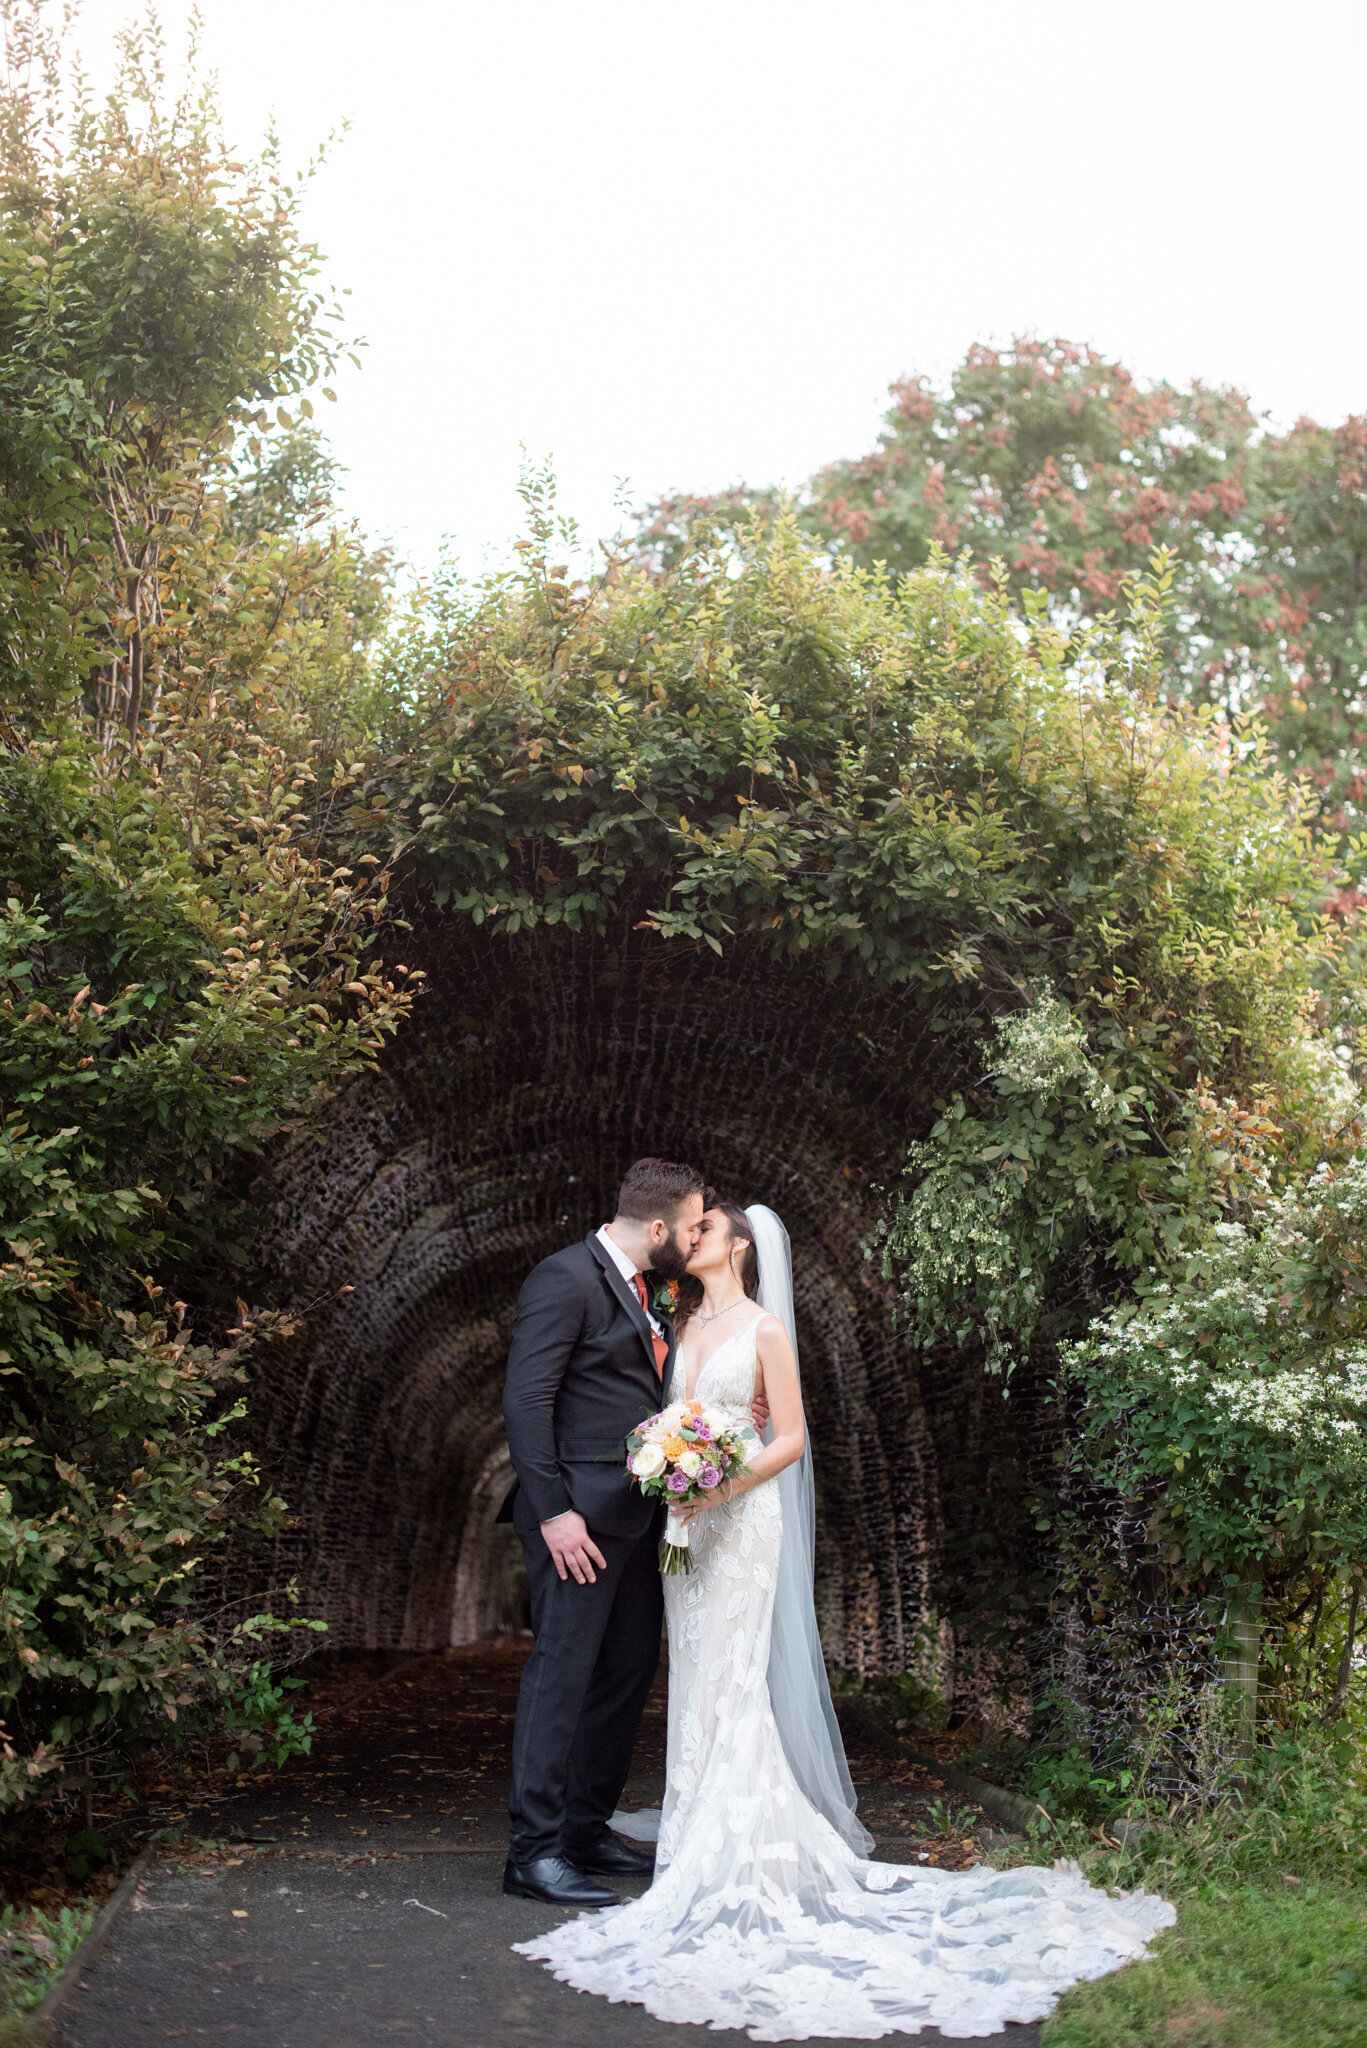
(628, 1269)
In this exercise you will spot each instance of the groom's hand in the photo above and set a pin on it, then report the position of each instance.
(759, 1412)
(573, 1551)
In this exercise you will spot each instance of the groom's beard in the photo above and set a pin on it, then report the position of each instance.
(668, 1261)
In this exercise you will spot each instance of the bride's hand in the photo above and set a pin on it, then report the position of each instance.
(695, 1507)
(705, 1501)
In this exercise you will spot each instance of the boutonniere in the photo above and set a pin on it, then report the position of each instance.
(664, 1297)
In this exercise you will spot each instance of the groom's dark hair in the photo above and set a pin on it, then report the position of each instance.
(658, 1187)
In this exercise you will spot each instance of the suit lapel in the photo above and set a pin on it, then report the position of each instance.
(626, 1295)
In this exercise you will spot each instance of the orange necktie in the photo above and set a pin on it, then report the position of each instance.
(660, 1343)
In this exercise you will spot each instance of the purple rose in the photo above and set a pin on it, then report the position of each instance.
(702, 1432)
(709, 1476)
(677, 1482)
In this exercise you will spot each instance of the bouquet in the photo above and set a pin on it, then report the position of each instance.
(681, 1455)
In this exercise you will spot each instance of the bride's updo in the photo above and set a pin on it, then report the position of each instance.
(746, 1269)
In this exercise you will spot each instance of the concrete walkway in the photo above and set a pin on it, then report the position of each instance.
(374, 1910)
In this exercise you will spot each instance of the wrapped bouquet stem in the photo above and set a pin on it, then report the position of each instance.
(681, 1455)
(676, 1550)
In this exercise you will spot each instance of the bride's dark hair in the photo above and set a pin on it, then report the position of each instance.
(739, 1226)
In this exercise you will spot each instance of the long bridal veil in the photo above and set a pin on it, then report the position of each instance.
(799, 1691)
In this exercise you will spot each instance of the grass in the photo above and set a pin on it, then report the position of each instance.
(1269, 1879)
(1254, 1963)
(35, 1947)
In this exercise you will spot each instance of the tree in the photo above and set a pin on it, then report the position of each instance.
(156, 299)
(1308, 581)
(184, 973)
(1059, 463)
(1055, 460)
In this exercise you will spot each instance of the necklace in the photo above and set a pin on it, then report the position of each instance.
(718, 1313)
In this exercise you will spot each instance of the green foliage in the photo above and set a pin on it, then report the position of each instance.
(912, 784)
(156, 300)
(1057, 463)
(1270, 1941)
(178, 980)
(1109, 907)
(260, 1721)
(182, 974)
(35, 1947)
(1066, 1168)
(926, 783)
(1280, 1852)
(1233, 1400)
(915, 785)
(1089, 1153)
(904, 1701)
(1216, 1405)
(1263, 1963)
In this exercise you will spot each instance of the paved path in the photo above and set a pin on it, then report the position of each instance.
(354, 1897)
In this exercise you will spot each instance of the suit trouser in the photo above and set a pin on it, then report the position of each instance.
(583, 1689)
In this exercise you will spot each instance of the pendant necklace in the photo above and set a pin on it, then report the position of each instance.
(717, 1314)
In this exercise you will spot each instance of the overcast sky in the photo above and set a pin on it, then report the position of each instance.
(691, 244)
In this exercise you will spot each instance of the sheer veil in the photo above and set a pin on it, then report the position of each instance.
(798, 1688)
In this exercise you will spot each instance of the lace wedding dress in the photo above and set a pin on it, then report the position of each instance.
(761, 1916)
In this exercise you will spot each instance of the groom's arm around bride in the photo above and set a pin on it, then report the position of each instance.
(590, 1357)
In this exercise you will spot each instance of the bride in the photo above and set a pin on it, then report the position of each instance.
(766, 1912)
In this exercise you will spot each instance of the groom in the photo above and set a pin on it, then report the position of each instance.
(591, 1356)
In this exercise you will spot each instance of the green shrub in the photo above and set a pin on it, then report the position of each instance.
(182, 974)
(1233, 1398)
(168, 999)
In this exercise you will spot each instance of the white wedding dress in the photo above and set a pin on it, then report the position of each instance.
(761, 1916)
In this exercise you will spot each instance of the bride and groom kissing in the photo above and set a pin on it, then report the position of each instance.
(765, 1911)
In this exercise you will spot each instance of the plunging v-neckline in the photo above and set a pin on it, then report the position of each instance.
(713, 1356)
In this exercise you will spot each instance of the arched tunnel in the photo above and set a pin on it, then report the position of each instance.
(502, 1120)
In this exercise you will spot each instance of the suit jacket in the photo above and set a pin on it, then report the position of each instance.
(581, 1375)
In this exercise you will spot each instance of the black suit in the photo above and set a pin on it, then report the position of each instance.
(581, 1375)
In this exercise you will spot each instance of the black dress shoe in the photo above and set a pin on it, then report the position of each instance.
(555, 1882)
(613, 1858)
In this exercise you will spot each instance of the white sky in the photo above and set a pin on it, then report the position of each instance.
(692, 244)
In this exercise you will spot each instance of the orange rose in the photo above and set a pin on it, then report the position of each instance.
(673, 1447)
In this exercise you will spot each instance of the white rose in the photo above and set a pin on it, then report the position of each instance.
(716, 1421)
(649, 1462)
(691, 1463)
